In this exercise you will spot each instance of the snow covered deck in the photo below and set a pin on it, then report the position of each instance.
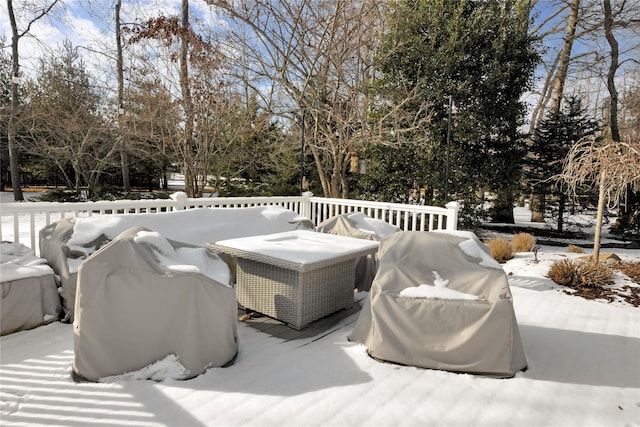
(582, 355)
(583, 370)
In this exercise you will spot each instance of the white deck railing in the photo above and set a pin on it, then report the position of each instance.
(22, 221)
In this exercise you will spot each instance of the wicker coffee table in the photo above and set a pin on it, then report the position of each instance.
(296, 276)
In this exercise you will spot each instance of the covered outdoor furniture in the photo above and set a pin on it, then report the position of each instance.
(295, 276)
(440, 301)
(65, 244)
(141, 298)
(62, 259)
(29, 291)
(358, 225)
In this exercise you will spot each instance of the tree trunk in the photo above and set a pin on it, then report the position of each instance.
(190, 176)
(545, 95)
(14, 163)
(599, 216)
(564, 59)
(611, 74)
(503, 207)
(629, 215)
(537, 204)
(324, 181)
(124, 157)
(337, 177)
(561, 206)
(632, 204)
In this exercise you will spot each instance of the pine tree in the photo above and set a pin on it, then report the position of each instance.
(479, 53)
(552, 139)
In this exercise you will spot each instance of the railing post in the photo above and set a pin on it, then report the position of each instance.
(305, 205)
(180, 198)
(452, 215)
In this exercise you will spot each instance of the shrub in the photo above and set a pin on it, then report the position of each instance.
(576, 274)
(523, 242)
(631, 269)
(575, 249)
(101, 192)
(110, 192)
(501, 249)
(59, 195)
(563, 272)
(592, 275)
(471, 215)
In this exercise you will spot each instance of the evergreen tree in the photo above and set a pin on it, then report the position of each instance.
(481, 54)
(552, 139)
(392, 172)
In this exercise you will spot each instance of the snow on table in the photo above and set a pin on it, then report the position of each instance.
(301, 250)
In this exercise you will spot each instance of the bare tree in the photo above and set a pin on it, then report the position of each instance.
(614, 63)
(151, 125)
(208, 123)
(600, 58)
(565, 56)
(609, 166)
(581, 20)
(36, 11)
(64, 120)
(317, 59)
(124, 159)
(614, 165)
(565, 67)
(614, 20)
(189, 168)
(554, 90)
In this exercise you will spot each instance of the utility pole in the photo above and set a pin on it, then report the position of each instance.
(302, 152)
(446, 182)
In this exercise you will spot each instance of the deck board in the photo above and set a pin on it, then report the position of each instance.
(278, 329)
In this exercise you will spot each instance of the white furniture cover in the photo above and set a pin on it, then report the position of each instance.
(68, 242)
(29, 291)
(140, 300)
(440, 301)
(358, 225)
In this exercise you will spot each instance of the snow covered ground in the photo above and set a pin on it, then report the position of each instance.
(583, 357)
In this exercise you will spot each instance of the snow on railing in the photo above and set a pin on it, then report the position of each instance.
(22, 221)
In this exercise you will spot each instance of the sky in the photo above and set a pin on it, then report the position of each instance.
(582, 371)
(90, 25)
